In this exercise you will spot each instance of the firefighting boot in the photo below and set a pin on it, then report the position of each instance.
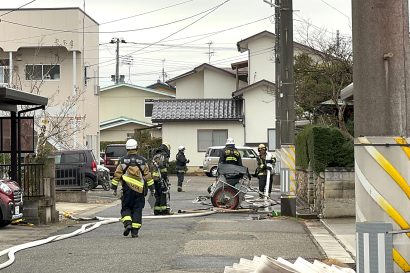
(134, 233)
(127, 230)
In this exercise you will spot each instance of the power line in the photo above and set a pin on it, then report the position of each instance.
(114, 31)
(302, 20)
(148, 12)
(26, 4)
(181, 29)
(209, 34)
(333, 7)
(108, 22)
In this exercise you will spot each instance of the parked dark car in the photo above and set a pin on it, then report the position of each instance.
(11, 202)
(75, 169)
(113, 152)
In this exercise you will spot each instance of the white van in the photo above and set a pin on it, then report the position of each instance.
(211, 160)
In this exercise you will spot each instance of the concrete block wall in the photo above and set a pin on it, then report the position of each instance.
(330, 194)
(339, 193)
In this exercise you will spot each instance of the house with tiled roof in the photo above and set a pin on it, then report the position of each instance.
(127, 107)
(214, 103)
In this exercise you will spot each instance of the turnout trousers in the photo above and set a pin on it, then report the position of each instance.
(161, 197)
(132, 204)
(262, 183)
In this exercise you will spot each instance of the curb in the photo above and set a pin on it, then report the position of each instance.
(327, 243)
(337, 239)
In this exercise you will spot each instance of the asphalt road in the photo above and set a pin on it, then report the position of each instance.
(205, 244)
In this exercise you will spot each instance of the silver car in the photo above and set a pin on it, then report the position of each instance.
(211, 160)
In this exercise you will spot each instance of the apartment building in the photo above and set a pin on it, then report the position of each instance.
(53, 52)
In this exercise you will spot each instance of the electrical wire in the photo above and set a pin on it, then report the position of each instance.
(13, 10)
(333, 7)
(113, 31)
(170, 35)
(108, 22)
(208, 35)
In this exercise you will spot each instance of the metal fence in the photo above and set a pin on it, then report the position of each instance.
(70, 176)
(31, 178)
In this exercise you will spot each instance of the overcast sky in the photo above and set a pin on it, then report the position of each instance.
(186, 53)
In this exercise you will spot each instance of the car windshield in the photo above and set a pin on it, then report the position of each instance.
(115, 151)
(215, 152)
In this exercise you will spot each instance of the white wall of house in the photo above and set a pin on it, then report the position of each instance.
(119, 133)
(218, 84)
(186, 134)
(126, 101)
(261, 59)
(41, 48)
(58, 18)
(259, 114)
(191, 87)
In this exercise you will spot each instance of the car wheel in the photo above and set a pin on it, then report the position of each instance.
(208, 174)
(214, 171)
(3, 223)
(88, 183)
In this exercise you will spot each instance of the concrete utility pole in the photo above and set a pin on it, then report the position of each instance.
(117, 64)
(285, 109)
(382, 153)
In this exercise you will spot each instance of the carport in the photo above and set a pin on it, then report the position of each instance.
(10, 99)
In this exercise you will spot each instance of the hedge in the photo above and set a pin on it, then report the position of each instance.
(323, 147)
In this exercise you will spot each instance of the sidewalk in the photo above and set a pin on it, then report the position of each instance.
(336, 237)
(83, 209)
(344, 229)
(19, 234)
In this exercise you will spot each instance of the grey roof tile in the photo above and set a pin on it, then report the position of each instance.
(196, 109)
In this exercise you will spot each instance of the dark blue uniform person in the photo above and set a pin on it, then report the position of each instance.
(180, 167)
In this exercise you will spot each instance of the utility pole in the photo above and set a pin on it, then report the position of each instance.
(117, 64)
(164, 74)
(210, 53)
(285, 98)
(382, 128)
(128, 60)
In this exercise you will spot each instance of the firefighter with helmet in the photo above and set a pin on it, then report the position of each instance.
(180, 167)
(263, 159)
(230, 155)
(160, 166)
(134, 175)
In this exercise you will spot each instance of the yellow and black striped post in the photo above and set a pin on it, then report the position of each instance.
(382, 174)
(288, 180)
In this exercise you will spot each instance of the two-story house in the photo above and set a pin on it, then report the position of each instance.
(53, 52)
(215, 103)
(125, 108)
(203, 110)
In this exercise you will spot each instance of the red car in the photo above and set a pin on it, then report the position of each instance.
(11, 202)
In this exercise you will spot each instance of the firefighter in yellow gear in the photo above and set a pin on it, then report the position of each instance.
(133, 172)
(230, 155)
(263, 159)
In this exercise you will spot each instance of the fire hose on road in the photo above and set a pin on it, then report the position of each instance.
(84, 229)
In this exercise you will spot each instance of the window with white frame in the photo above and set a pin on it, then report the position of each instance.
(42, 72)
(207, 138)
(148, 105)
